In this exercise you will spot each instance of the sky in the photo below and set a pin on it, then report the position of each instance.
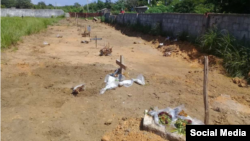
(63, 2)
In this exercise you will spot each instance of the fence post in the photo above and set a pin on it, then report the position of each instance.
(206, 120)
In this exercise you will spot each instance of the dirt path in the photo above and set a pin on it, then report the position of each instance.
(36, 97)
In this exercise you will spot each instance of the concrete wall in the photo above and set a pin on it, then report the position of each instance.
(195, 24)
(150, 19)
(130, 18)
(238, 25)
(46, 13)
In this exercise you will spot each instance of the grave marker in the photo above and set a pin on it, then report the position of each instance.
(120, 63)
(96, 40)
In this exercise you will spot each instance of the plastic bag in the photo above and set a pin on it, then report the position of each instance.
(45, 43)
(109, 86)
(78, 86)
(126, 83)
(140, 80)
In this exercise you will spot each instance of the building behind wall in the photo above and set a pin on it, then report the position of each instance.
(141, 9)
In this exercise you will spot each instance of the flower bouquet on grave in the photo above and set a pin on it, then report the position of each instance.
(164, 118)
(180, 125)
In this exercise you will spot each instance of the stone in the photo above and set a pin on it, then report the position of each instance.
(105, 138)
(217, 109)
(108, 122)
(242, 85)
(129, 95)
(236, 80)
(189, 72)
(124, 118)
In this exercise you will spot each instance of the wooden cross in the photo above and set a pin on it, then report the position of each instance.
(96, 40)
(120, 63)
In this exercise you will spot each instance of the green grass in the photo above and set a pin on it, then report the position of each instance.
(13, 28)
(235, 54)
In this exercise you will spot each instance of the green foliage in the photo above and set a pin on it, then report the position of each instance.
(13, 28)
(77, 4)
(153, 10)
(3, 6)
(102, 19)
(41, 5)
(8, 3)
(201, 8)
(236, 57)
(185, 6)
(23, 4)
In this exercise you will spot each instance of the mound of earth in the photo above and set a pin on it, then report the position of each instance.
(130, 130)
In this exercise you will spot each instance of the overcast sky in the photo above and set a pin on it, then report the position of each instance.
(64, 2)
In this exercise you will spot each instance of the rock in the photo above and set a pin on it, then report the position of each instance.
(124, 118)
(217, 109)
(129, 95)
(237, 80)
(105, 138)
(189, 71)
(108, 122)
(242, 85)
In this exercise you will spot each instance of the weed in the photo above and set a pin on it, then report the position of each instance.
(13, 28)
(236, 57)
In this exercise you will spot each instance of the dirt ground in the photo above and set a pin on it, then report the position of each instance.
(36, 98)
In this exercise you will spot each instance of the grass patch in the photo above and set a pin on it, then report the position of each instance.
(13, 28)
(236, 55)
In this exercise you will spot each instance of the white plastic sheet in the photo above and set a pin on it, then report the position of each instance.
(45, 43)
(175, 115)
(113, 82)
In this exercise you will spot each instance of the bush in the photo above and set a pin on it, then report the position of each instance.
(236, 57)
(153, 10)
(3, 6)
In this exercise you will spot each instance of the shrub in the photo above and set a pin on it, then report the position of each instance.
(236, 57)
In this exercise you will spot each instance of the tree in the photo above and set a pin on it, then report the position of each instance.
(77, 5)
(23, 4)
(133, 3)
(185, 6)
(8, 3)
(108, 4)
(154, 3)
(41, 5)
(100, 4)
